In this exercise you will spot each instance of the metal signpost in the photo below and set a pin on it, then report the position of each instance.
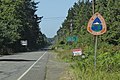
(96, 26)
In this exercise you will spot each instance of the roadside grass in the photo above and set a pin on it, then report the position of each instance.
(64, 55)
(89, 73)
(108, 65)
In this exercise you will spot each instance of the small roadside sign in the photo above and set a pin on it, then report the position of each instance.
(77, 52)
(24, 42)
(96, 25)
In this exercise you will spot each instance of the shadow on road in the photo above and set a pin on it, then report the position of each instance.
(16, 60)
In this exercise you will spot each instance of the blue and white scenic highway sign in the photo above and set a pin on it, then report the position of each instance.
(96, 25)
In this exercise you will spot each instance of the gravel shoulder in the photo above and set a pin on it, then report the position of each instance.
(55, 68)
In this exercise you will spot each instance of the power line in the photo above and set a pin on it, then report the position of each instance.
(54, 18)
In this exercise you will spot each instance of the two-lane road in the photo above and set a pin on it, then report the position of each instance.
(24, 66)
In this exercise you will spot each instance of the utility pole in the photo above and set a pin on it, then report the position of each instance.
(93, 6)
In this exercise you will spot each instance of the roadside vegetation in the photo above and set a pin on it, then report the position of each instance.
(19, 22)
(108, 50)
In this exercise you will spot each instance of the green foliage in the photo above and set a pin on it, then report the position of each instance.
(18, 21)
(64, 55)
(108, 66)
(111, 12)
(9, 24)
(30, 24)
(108, 50)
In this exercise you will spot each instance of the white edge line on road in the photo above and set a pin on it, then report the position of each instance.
(30, 68)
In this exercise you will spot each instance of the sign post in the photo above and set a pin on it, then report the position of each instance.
(96, 26)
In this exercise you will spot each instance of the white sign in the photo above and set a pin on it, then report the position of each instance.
(24, 42)
(77, 52)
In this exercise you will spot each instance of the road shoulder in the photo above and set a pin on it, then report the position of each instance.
(55, 68)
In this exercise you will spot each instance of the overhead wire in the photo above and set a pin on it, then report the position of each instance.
(56, 18)
(53, 18)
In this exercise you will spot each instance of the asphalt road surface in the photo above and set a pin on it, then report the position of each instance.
(24, 66)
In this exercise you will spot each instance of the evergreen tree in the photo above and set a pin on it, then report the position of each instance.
(80, 14)
(9, 24)
(30, 30)
(18, 22)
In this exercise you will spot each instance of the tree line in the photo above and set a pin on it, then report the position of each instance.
(108, 47)
(19, 22)
(79, 15)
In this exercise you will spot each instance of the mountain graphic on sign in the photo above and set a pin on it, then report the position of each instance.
(96, 25)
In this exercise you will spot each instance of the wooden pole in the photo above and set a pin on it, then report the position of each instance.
(93, 6)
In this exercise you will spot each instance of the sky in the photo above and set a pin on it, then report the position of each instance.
(54, 13)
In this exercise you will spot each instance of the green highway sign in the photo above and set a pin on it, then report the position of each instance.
(72, 39)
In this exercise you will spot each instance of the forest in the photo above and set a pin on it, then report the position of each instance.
(108, 47)
(20, 23)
